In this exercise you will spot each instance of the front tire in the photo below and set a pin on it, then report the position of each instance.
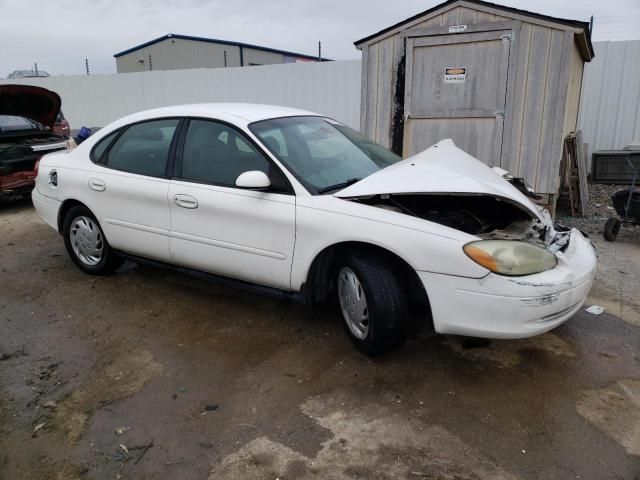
(86, 243)
(373, 303)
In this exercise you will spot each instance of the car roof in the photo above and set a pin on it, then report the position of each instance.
(237, 112)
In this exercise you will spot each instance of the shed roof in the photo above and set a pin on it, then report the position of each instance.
(587, 49)
(218, 41)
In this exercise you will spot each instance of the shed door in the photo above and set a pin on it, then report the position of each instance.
(455, 88)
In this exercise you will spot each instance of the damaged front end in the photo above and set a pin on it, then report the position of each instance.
(536, 275)
(446, 185)
(487, 217)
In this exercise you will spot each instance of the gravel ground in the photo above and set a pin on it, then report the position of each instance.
(150, 375)
(600, 208)
(617, 283)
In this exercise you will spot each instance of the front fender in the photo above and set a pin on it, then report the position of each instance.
(323, 222)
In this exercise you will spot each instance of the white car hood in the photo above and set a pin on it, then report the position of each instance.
(442, 168)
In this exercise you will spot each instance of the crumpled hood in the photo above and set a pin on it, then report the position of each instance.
(35, 103)
(442, 168)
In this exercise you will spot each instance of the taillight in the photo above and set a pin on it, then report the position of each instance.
(35, 168)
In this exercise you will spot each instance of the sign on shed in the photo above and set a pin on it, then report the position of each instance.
(455, 74)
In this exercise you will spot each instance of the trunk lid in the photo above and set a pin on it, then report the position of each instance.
(35, 103)
(442, 168)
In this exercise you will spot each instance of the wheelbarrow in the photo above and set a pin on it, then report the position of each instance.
(627, 205)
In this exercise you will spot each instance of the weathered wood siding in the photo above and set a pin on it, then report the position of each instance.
(573, 94)
(543, 92)
(377, 116)
(533, 147)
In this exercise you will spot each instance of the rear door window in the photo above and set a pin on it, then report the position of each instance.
(143, 148)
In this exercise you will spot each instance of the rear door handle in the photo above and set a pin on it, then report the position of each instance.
(185, 201)
(97, 185)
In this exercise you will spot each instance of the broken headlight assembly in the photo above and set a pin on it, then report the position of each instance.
(510, 257)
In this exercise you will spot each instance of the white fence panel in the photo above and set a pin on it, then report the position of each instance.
(329, 88)
(609, 107)
(610, 103)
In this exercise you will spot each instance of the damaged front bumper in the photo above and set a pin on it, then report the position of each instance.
(498, 306)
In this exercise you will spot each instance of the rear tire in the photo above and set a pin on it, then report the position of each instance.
(611, 229)
(86, 243)
(373, 303)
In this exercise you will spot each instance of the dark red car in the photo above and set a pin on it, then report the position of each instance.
(61, 127)
(27, 117)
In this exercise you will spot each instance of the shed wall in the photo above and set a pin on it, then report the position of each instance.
(537, 96)
(573, 95)
(532, 145)
(381, 69)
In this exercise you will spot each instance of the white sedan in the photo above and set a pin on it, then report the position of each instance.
(302, 204)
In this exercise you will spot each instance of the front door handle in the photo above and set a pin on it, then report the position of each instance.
(185, 201)
(97, 185)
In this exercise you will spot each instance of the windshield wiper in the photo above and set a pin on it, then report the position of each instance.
(339, 186)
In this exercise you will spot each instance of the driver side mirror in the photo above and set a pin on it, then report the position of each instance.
(254, 179)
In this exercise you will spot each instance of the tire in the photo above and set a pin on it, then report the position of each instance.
(611, 229)
(375, 282)
(86, 243)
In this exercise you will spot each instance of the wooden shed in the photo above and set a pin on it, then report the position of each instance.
(503, 83)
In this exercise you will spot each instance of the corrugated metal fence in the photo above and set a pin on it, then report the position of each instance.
(609, 108)
(610, 104)
(330, 88)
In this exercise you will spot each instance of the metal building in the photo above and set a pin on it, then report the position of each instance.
(503, 83)
(177, 52)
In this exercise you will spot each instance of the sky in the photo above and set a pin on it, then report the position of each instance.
(60, 34)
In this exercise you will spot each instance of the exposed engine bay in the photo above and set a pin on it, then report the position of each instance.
(485, 216)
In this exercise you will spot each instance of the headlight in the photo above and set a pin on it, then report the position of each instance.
(510, 257)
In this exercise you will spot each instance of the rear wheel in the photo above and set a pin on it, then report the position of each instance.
(373, 303)
(86, 243)
(611, 229)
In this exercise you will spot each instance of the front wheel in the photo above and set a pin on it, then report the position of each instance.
(373, 303)
(86, 243)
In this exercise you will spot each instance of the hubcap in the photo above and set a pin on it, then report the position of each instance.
(86, 240)
(353, 303)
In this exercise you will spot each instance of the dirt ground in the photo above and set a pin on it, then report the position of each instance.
(151, 374)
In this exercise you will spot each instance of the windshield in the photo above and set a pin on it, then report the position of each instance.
(322, 153)
(13, 123)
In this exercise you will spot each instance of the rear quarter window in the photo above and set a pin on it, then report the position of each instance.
(98, 150)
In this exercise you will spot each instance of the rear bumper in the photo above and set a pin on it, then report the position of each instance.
(47, 208)
(17, 182)
(513, 307)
